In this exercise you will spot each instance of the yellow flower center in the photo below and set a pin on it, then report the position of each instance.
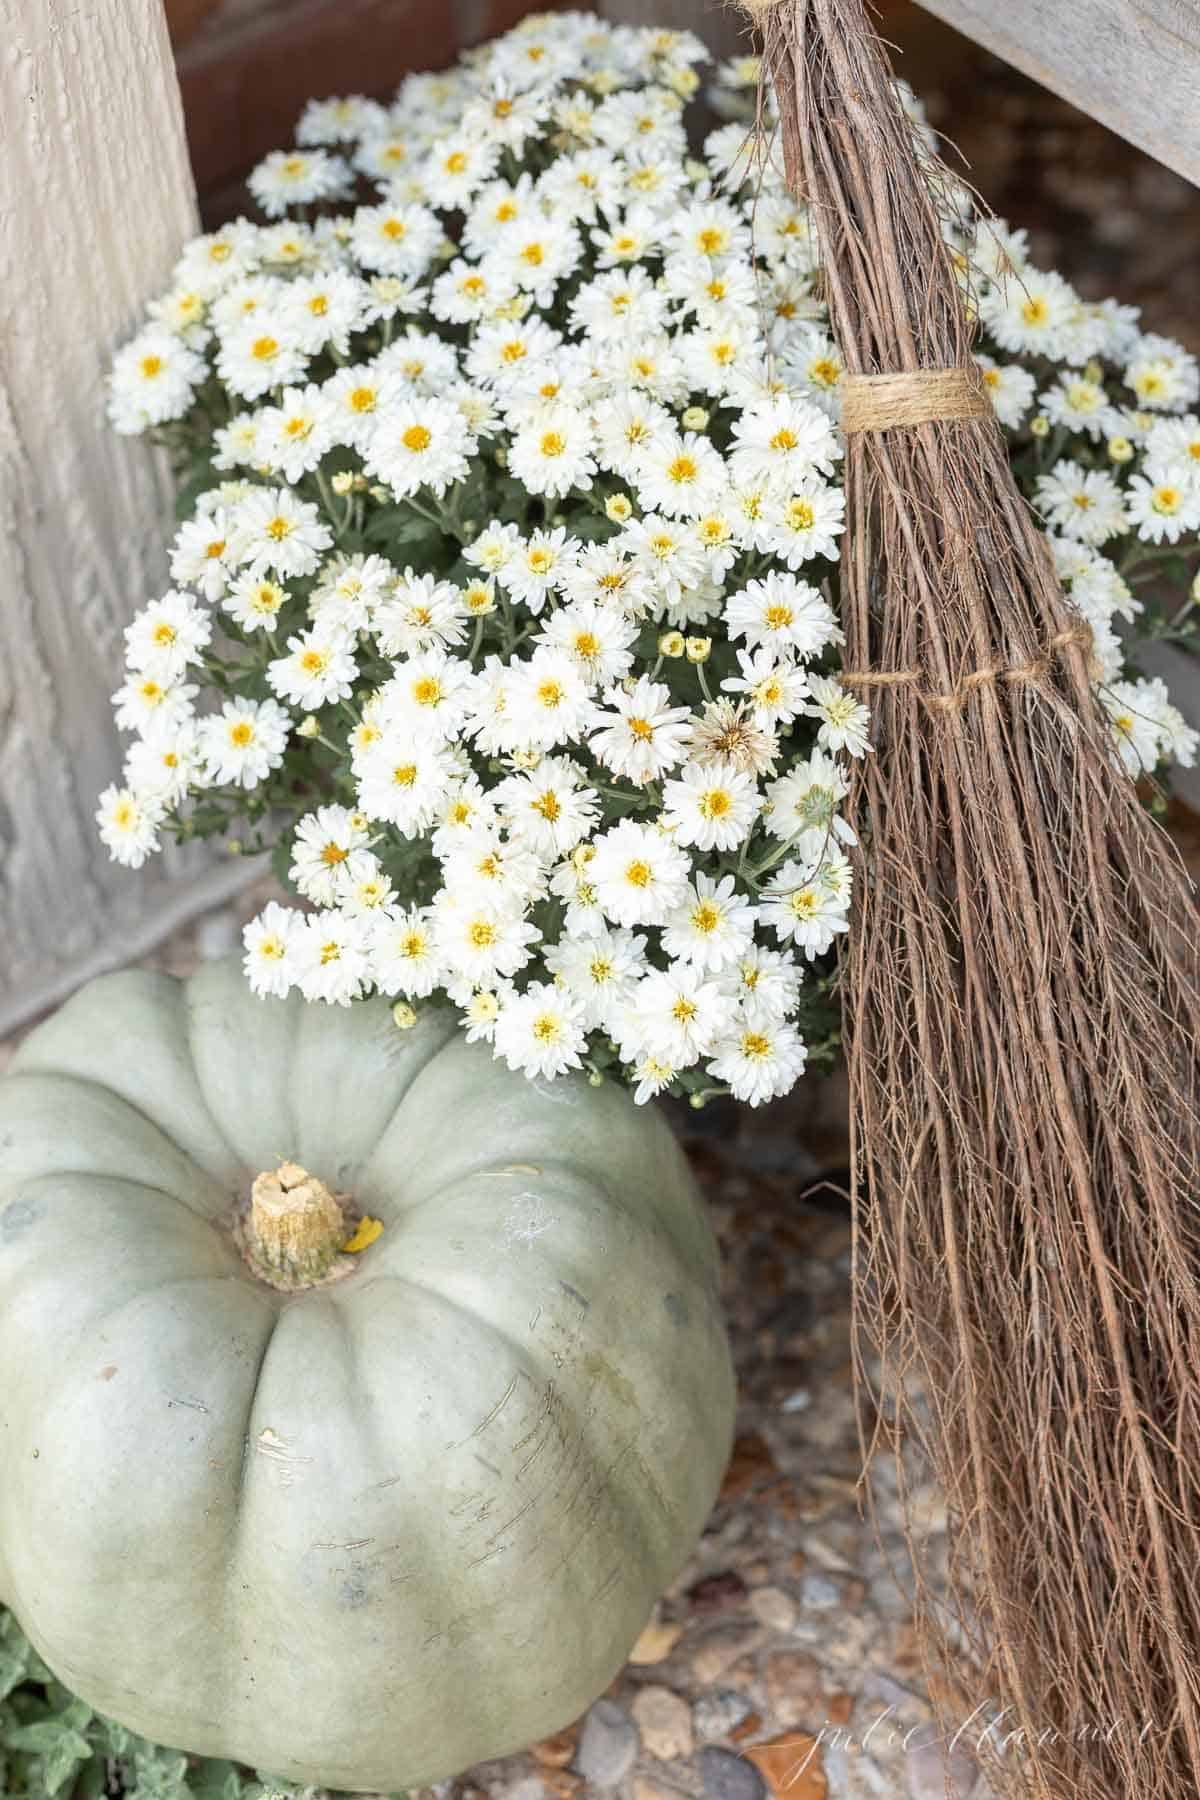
(264, 348)
(417, 438)
(800, 515)
(550, 693)
(404, 775)
(394, 229)
(638, 874)
(547, 805)
(682, 470)
(164, 633)
(778, 617)
(456, 162)
(706, 917)
(755, 1045)
(480, 934)
(313, 661)
(784, 439)
(540, 561)
(513, 351)
(684, 1010)
(1166, 501)
(553, 444)
(278, 528)
(1035, 312)
(715, 803)
(241, 734)
(151, 366)
(332, 854)
(712, 240)
(427, 691)
(546, 1028)
(586, 644)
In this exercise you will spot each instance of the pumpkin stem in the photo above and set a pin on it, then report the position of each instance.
(295, 1228)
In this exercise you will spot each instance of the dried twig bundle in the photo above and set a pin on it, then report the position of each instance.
(1022, 1007)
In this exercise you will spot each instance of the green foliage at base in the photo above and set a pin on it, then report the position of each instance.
(54, 1747)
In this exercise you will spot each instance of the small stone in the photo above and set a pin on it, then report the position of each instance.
(665, 1722)
(608, 1744)
(644, 1788)
(793, 1682)
(749, 1462)
(655, 1643)
(720, 1648)
(531, 1787)
(749, 1725)
(791, 1765)
(716, 1593)
(773, 1608)
(938, 1772)
(727, 1776)
(819, 1592)
(838, 1708)
(718, 1714)
(561, 1783)
(556, 1752)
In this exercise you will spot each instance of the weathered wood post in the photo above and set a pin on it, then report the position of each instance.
(96, 198)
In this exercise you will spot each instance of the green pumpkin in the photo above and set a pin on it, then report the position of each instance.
(369, 1531)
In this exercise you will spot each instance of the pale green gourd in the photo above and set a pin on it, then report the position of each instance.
(370, 1532)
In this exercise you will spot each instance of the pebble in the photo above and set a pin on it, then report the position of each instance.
(727, 1776)
(608, 1744)
(655, 1643)
(531, 1788)
(716, 1593)
(927, 1767)
(818, 1592)
(720, 1648)
(715, 1715)
(773, 1608)
(646, 1788)
(793, 1682)
(792, 1766)
(665, 1722)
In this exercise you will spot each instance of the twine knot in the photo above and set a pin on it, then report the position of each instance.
(913, 397)
(953, 700)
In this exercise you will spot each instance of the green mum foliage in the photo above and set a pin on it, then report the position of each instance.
(54, 1747)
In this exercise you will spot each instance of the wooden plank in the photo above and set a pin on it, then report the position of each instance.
(95, 200)
(1132, 64)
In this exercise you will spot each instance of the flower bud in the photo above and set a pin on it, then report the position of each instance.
(1120, 450)
(694, 418)
(404, 1016)
(343, 482)
(618, 507)
(699, 649)
(1039, 426)
(309, 727)
(671, 643)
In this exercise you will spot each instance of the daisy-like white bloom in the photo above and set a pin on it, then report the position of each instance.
(630, 427)
(242, 743)
(548, 700)
(550, 808)
(844, 720)
(680, 475)
(429, 696)
(484, 865)
(1164, 503)
(274, 530)
(672, 556)
(395, 240)
(538, 566)
(153, 379)
(255, 600)
(803, 908)
(331, 958)
(361, 886)
(403, 782)
(296, 178)
(766, 983)
(295, 435)
(676, 1015)
(759, 1059)
(595, 635)
(807, 524)
(784, 442)
(163, 767)
(420, 443)
(1162, 375)
(623, 303)
(166, 636)
(601, 970)
(318, 669)
(641, 734)
(349, 590)
(147, 704)
(1081, 404)
(493, 548)
(259, 352)
(807, 799)
(1029, 313)
(323, 844)
(403, 953)
(552, 453)
(782, 613)
(638, 874)
(269, 943)
(1084, 503)
(775, 688)
(483, 943)
(1132, 716)
(129, 825)
(420, 613)
(541, 1031)
(711, 805)
(200, 552)
(465, 809)
(713, 926)
(1011, 389)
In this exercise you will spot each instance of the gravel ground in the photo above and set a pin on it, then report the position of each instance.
(783, 1660)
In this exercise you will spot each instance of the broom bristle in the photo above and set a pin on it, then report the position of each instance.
(1022, 1019)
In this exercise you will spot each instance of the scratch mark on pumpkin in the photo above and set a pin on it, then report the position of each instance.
(194, 1405)
(392, 1481)
(533, 1322)
(351, 1544)
(514, 1169)
(486, 1557)
(490, 1467)
(279, 1451)
(505, 1397)
(606, 1586)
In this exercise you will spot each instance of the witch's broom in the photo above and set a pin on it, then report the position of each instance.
(1023, 997)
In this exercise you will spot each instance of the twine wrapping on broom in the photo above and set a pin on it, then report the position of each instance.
(1022, 1016)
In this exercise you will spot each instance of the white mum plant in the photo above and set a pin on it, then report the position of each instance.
(505, 602)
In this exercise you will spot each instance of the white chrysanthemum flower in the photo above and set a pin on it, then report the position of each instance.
(638, 874)
(428, 697)
(129, 825)
(807, 900)
(713, 926)
(269, 942)
(1080, 404)
(623, 303)
(845, 721)
(629, 427)
(323, 843)
(601, 970)
(296, 178)
(541, 1031)
(783, 614)
(674, 559)
(395, 240)
(1011, 389)
(361, 885)
(783, 442)
(550, 808)
(420, 613)
(807, 799)
(1164, 503)
(419, 443)
(146, 704)
(759, 1059)
(483, 943)
(1029, 313)
(200, 552)
(548, 701)
(153, 379)
(318, 669)
(1084, 503)
(254, 601)
(243, 742)
(166, 636)
(403, 953)
(418, 362)
(340, 121)
(775, 688)
(1163, 375)
(711, 806)
(807, 524)
(484, 865)
(675, 1015)
(493, 548)
(260, 352)
(275, 530)
(330, 957)
(348, 591)
(641, 733)
(551, 454)
(680, 475)
(1133, 717)
(296, 434)
(538, 566)
(163, 767)
(766, 983)
(468, 292)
